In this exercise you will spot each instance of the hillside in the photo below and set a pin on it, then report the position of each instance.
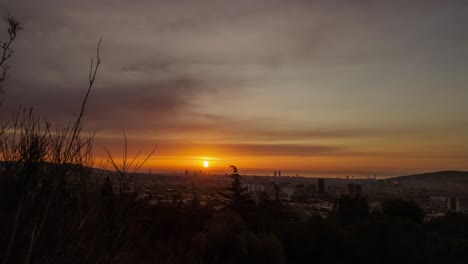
(440, 180)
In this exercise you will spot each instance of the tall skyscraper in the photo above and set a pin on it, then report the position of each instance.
(321, 185)
(358, 190)
(354, 190)
(350, 190)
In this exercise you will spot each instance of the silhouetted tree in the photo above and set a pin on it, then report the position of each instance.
(236, 196)
(277, 195)
(5, 47)
(263, 199)
(271, 200)
(108, 206)
(398, 208)
(195, 199)
(229, 240)
(352, 210)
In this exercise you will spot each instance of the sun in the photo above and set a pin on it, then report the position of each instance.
(206, 164)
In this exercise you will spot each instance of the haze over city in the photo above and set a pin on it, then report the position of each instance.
(308, 87)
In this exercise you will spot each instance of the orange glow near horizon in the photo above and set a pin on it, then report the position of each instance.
(375, 157)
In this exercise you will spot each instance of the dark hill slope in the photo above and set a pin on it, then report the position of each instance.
(440, 180)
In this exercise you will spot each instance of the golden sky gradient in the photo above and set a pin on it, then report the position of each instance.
(306, 87)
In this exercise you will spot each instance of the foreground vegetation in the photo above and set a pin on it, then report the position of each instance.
(95, 225)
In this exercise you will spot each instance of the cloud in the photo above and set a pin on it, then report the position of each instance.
(188, 149)
(249, 76)
(156, 100)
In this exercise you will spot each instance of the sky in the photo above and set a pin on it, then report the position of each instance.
(312, 88)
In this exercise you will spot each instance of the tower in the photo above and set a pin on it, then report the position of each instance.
(350, 190)
(321, 185)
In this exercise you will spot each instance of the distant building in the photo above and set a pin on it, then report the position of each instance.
(395, 182)
(336, 191)
(350, 189)
(452, 203)
(279, 173)
(438, 203)
(321, 185)
(311, 188)
(354, 190)
(274, 174)
(375, 207)
(458, 203)
(381, 183)
(358, 189)
(254, 187)
(430, 217)
(289, 192)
